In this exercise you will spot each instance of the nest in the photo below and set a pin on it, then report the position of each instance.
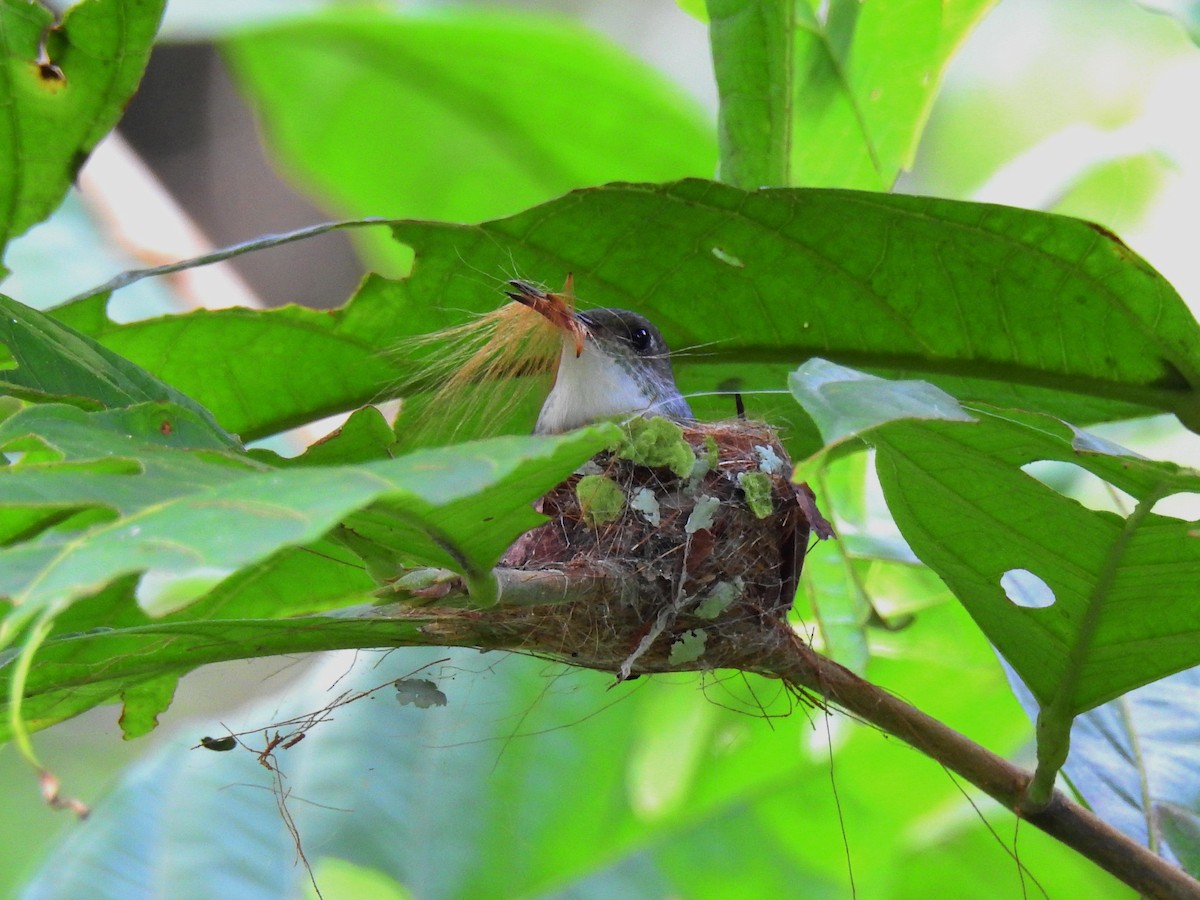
(708, 533)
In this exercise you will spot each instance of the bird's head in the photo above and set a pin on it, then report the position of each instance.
(613, 362)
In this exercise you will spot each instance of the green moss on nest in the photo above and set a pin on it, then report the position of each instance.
(657, 443)
(757, 488)
(600, 499)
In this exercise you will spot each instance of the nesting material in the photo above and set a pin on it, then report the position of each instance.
(705, 518)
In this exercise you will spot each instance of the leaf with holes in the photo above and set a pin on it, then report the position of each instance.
(62, 87)
(1085, 605)
(1124, 610)
(1116, 605)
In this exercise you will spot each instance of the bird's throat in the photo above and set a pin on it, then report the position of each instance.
(591, 386)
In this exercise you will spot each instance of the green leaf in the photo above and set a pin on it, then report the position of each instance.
(486, 113)
(752, 46)
(58, 103)
(139, 665)
(866, 77)
(55, 362)
(365, 436)
(1115, 605)
(844, 403)
(961, 499)
(120, 460)
(990, 303)
(1181, 831)
(194, 523)
(265, 388)
(440, 504)
(73, 465)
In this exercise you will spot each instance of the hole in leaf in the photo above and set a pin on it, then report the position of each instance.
(1185, 505)
(1026, 589)
(160, 591)
(728, 258)
(1081, 485)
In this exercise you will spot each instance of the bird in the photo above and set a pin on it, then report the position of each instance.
(613, 362)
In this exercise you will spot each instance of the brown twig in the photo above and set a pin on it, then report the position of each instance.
(773, 649)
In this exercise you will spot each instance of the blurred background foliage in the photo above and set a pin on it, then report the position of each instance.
(535, 779)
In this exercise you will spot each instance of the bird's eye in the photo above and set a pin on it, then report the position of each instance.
(641, 339)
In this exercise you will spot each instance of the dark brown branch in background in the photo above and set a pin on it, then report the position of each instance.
(585, 619)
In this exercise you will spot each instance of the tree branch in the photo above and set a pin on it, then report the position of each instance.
(576, 614)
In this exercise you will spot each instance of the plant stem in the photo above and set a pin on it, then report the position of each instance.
(752, 47)
(773, 649)
(1061, 818)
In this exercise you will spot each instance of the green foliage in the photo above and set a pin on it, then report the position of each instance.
(634, 790)
(146, 490)
(957, 490)
(499, 112)
(62, 87)
(990, 303)
(54, 362)
(864, 86)
(140, 540)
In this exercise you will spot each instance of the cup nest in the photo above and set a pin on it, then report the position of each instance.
(708, 532)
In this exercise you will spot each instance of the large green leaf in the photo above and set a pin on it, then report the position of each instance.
(279, 368)
(1124, 609)
(71, 460)
(105, 495)
(1004, 305)
(866, 77)
(461, 114)
(62, 87)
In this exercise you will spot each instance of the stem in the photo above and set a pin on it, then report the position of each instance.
(752, 48)
(778, 652)
(1061, 818)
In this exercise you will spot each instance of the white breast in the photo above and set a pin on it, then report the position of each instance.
(587, 388)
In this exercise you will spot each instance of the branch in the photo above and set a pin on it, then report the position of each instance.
(577, 614)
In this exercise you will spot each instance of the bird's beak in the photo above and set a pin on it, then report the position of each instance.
(559, 309)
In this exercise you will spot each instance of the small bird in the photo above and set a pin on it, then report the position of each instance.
(613, 362)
